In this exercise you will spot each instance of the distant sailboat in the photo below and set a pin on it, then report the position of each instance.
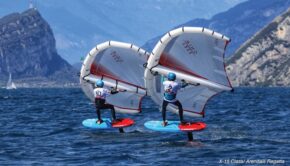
(10, 84)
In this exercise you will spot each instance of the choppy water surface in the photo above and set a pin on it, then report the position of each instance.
(43, 126)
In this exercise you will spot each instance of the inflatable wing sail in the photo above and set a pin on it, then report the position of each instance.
(119, 65)
(195, 55)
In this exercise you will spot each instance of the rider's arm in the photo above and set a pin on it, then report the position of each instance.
(183, 84)
(114, 90)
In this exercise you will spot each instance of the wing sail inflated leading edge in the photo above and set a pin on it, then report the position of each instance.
(119, 65)
(195, 55)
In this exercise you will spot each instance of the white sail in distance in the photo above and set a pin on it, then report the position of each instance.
(195, 55)
(119, 65)
(10, 84)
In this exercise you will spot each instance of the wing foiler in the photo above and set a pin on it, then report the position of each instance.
(195, 55)
(119, 65)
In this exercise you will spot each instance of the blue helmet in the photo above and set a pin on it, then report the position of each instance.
(171, 76)
(100, 83)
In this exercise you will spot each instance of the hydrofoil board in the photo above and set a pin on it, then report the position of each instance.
(175, 126)
(107, 123)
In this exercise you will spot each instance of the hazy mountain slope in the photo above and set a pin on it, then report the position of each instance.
(239, 23)
(264, 59)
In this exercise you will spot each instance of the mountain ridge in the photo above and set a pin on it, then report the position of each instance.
(27, 51)
(264, 59)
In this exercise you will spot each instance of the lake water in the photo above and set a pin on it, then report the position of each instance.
(43, 126)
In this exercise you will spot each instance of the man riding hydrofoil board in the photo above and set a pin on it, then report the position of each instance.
(100, 94)
(171, 87)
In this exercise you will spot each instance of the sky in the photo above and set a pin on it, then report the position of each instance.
(79, 25)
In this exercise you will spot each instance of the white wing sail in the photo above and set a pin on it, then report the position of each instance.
(119, 65)
(195, 55)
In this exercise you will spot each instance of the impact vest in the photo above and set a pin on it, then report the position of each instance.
(170, 90)
(101, 93)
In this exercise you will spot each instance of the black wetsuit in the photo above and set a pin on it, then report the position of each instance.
(100, 103)
(177, 103)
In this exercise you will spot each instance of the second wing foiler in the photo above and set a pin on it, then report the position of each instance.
(195, 55)
(119, 65)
